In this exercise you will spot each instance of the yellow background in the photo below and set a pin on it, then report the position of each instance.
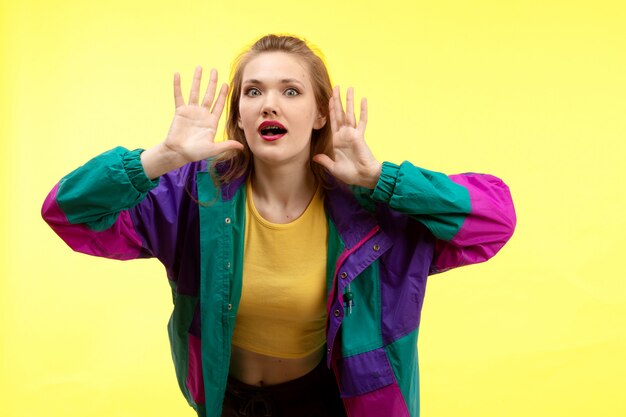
(531, 91)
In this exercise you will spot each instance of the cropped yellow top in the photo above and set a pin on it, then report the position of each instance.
(282, 311)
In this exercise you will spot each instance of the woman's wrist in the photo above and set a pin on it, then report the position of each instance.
(160, 160)
(371, 176)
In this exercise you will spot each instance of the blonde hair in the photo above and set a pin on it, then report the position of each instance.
(238, 163)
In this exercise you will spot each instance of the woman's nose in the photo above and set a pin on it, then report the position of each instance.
(270, 105)
(267, 111)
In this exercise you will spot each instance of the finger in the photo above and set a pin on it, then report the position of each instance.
(350, 107)
(209, 96)
(178, 95)
(325, 161)
(221, 100)
(339, 115)
(331, 112)
(195, 86)
(363, 117)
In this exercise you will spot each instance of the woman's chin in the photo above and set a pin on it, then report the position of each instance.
(278, 152)
(279, 157)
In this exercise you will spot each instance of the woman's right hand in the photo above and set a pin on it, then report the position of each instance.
(192, 132)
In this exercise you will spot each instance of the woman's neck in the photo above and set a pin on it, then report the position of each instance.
(282, 193)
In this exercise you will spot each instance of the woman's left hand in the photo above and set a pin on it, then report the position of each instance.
(354, 162)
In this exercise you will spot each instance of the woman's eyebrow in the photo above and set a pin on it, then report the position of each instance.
(283, 81)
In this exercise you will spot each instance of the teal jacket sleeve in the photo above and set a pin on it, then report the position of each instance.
(90, 207)
(471, 215)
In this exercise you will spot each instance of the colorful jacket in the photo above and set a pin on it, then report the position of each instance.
(382, 245)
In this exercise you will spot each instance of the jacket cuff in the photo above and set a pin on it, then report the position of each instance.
(386, 184)
(135, 172)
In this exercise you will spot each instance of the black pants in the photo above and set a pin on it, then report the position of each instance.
(312, 395)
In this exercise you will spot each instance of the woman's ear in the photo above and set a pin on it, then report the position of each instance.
(319, 122)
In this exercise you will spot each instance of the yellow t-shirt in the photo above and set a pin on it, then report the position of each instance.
(282, 311)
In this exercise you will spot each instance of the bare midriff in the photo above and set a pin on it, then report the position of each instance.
(261, 370)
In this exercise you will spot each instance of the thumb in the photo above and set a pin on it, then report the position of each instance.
(325, 161)
(225, 146)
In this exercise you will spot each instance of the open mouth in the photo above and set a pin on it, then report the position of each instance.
(272, 130)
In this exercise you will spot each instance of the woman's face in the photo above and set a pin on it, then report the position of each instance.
(277, 108)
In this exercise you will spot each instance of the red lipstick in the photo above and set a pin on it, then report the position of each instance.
(271, 130)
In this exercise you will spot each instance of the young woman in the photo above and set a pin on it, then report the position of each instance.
(289, 248)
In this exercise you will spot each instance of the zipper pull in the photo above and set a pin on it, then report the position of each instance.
(348, 297)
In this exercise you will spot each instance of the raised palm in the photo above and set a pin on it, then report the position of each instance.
(192, 133)
(353, 162)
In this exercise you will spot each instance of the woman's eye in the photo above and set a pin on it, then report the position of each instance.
(291, 92)
(252, 92)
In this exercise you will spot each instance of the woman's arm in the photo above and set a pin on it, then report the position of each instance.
(112, 206)
(108, 207)
(471, 215)
(88, 208)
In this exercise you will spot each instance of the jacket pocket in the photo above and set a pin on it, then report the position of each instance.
(365, 372)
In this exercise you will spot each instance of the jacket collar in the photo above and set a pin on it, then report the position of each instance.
(229, 189)
(351, 220)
